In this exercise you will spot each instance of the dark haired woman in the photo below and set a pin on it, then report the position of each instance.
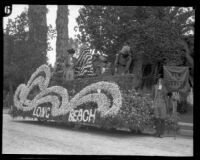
(160, 107)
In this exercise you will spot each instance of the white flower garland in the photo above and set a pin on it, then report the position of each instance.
(23, 90)
(110, 88)
(64, 106)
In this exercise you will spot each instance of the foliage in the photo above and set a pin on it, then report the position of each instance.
(106, 27)
(126, 82)
(182, 106)
(172, 121)
(156, 34)
(135, 113)
(22, 53)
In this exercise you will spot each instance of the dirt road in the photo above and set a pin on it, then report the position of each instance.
(30, 137)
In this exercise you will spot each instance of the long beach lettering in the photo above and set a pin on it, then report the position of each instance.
(81, 116)
(84, 115)
(42, 112)
(92, 115)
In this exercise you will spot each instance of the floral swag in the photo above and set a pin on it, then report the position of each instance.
(96, 92)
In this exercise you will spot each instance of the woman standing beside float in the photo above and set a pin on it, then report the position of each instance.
(160, 107)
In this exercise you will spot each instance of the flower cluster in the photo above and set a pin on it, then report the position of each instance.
(58, 106)
(22, 91)
(172, 120)
(134, 114)
(62, 107)
(100, 98)
(136, 111)
(44, 82)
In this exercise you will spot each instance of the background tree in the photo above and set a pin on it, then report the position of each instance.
(156, 34)
(24, 51)
(61, 43)
(38, 33)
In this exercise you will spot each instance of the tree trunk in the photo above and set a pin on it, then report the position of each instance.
(62, 41)
(38, 33)
(62, 31)
(187, 54)
(137, 70)
(10, 102)
(188, 58)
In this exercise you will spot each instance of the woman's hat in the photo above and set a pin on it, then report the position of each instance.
(125, 49)
(83, 47)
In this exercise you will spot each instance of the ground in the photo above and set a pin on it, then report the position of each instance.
(29, 137)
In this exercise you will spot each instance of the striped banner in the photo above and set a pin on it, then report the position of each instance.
(84, 65)
(176, 78)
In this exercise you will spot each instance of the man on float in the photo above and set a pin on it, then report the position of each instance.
(123, 60)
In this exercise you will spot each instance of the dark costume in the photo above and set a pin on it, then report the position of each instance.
(96, 62)
(123, 61)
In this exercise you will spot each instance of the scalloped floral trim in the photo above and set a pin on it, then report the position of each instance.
(65, 105)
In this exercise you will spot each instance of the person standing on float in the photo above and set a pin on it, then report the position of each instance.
(160, 107)
(123, 60)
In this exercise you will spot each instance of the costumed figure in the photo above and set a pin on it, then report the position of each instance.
(96, 62)
(123, 60)
(101, 65)
(69, 65)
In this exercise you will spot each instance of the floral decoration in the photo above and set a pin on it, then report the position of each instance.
(105, 96)
(62, 107)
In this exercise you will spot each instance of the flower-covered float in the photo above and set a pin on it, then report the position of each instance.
(106, 102)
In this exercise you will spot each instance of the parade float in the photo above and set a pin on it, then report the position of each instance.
(109, 102)
(106, 101)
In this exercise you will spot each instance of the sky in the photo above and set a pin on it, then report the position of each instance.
(51, 17)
